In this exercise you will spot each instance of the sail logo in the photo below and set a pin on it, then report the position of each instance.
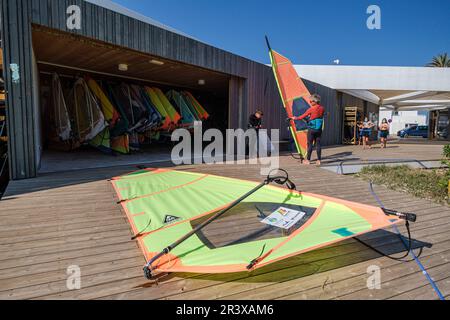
(170, 219)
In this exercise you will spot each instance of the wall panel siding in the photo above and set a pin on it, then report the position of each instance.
(98, 23)
(19, 97)
(351, 101)
(234, 101)
(104, 25)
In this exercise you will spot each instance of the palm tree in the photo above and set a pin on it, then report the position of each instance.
(440, 61)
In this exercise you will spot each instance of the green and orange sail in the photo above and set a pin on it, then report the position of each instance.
(163, 206)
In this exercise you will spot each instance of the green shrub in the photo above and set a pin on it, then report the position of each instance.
(446, 153)
(444, 181)
(428, 184)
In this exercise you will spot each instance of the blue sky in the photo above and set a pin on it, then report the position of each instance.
(312, 32)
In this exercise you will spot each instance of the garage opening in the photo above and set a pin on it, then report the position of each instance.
(102, 105)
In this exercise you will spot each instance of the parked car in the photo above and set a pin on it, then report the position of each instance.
(443, 134)
(414, 131)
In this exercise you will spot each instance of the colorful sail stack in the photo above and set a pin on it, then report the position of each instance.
(117, 125)
(116, 117)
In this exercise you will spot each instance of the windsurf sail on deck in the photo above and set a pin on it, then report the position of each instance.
(163, 206)
(295, 97)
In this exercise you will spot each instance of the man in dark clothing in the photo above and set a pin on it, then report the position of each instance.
(314, 116)
(255, 121)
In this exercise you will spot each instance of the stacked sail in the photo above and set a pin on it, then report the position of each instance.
(116, 117)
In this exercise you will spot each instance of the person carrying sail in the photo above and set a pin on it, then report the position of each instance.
(314, 116)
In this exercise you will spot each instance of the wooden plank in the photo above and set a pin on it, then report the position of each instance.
(57, 266)
(397, 286)
(264, 286)
(24, 283)
(276, 276)
(49, 244)
(67, 246)
(424, 292)
(97, 238)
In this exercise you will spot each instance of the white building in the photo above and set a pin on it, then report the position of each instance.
(407, 95)
(403, 119)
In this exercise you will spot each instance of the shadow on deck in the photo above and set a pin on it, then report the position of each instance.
(72, 218)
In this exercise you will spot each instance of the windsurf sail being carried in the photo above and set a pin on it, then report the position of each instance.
(200, 223)
(295, 97)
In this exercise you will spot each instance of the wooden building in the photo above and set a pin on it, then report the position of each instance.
(93, 36)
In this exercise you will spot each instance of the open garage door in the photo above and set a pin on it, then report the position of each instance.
(103, 105)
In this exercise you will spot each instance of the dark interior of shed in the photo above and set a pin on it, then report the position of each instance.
(71, 57)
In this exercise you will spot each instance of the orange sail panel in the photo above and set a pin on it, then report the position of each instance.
(295, 97)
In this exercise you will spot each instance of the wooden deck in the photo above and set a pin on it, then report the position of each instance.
(71, 218)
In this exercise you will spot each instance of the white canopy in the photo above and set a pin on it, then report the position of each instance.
(399, 88)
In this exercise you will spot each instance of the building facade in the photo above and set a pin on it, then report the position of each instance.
(95, 36)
